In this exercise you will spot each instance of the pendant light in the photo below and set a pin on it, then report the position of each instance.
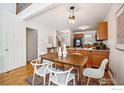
(71, 15)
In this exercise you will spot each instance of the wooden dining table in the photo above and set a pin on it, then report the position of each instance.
(71, 60)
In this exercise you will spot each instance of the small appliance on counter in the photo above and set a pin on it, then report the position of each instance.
(99, 46)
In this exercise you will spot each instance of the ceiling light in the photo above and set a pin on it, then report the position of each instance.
(71, 18)
(84, 27)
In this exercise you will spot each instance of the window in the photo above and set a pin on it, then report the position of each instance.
(88, 39)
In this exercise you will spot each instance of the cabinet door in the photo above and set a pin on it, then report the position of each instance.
(102, 31)
(88, 54)
(97, 58)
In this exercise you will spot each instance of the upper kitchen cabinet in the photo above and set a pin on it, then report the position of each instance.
(78, 35)
(102, 31)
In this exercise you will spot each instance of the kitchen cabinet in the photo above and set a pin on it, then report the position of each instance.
(95, 57)
(88, 54)
(84, 53)
(78, 35)
(102, 31)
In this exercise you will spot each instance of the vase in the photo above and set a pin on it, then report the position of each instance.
(64, 51)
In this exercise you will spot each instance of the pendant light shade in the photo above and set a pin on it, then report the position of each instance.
(71, 17)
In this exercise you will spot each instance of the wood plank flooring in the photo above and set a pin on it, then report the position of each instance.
(18, 76)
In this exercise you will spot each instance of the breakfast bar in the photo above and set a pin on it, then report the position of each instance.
(95, 56)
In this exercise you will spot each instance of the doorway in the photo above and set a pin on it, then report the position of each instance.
(31, 44)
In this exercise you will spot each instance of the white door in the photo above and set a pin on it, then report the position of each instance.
(1, 49)
(12, 42)
(9, 47)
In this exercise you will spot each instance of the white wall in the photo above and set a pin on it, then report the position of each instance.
(31, 44)
(43, 35)
(9, 7)
(116, 56)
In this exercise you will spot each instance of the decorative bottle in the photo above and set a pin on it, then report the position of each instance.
(59, 51)
(64, 51)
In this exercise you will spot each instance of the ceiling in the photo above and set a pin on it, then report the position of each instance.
(86, 14)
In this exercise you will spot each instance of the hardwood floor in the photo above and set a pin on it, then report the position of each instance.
(18, 76)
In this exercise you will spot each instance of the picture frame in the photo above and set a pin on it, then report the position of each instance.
(119, 17)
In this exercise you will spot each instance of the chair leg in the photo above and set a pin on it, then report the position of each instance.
(33, 79)
(49, 82)
(49, 79)
(88, 80)
(99, 82)
(55, 65)
(44, 80)
(78, 74)
(73, 81)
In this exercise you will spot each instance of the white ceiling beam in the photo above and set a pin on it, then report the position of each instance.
(35, 9)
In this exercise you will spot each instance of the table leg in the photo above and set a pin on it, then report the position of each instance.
(80, 76)
(41, 60)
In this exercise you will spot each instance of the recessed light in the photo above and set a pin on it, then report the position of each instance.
(84, 27)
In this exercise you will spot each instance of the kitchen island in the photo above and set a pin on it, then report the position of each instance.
(95, 56)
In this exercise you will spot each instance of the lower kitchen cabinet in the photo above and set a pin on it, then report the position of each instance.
(88, 54)
(95, 57)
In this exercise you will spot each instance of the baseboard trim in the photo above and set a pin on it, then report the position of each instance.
(113, 80)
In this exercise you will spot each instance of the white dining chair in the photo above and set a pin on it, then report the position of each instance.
(44, 61)
(40, 70)
(95, 73)
(59, 77)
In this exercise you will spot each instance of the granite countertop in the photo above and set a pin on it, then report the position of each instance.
(90, 49)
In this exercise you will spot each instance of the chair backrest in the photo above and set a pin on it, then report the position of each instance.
(44, 60)
(102, 66)
(60, 77)
(37, 65)
(39, 58)
(34, 63)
